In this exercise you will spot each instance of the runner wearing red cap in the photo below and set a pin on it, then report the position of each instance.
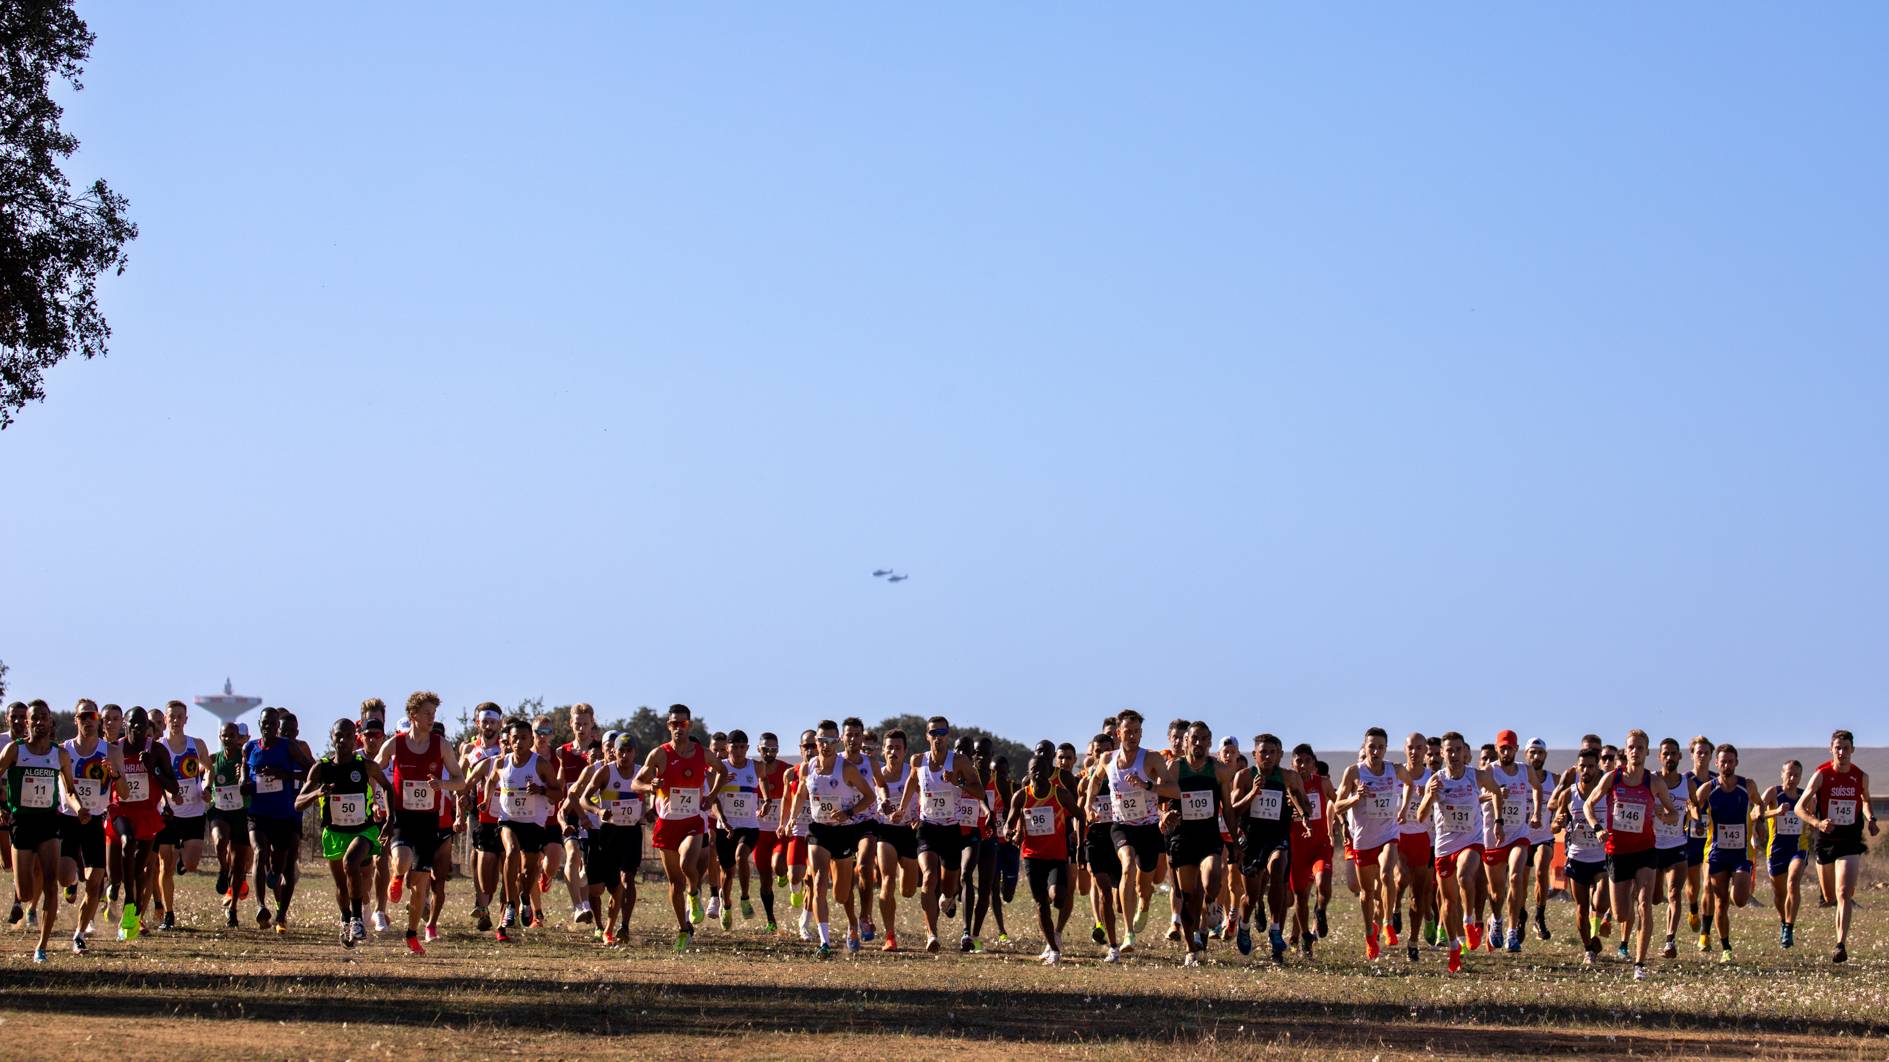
(1507, 861)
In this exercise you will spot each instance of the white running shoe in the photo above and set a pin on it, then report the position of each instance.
(806, 924)
(1114, 955)
(581, 913)
(381, 924)
(360, 930)
(1051, 957)
(1191, 960)
(714, 908)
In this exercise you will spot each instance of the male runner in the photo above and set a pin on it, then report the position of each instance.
(675, 776)
(943, 780)
(343, 783)
(835, 790)
(1541, 837)
(1192, 826)
(608, 791)
(1587, 859)
(1416, 850)
(1262, 794)
(1619, 810)
(770, 845)
(229, 821)
(897, 843)
(1670, 842)
(82, 842)
(798, 825)
(135, 820)
(1507, 861)
(527, 786)
(1836, 805)
(1784, 857)
(573, 757)
(1368, 795)
(738, 803)
(180, 842)
(39, 783)
(1453, 797)
(488, 848)
(1697, 776)
(1039, 819)
(423, 769)
(1135, 781)
(1729, 804)
(1104, 862)
(275, 825)
(1312, 860)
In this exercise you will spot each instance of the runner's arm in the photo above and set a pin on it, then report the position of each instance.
(311, 789)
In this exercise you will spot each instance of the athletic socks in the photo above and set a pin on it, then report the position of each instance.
(826, 935)
(767, 904)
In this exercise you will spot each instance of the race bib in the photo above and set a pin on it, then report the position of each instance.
(1196, 805)
(1629, 816)
(36, 790)
(1788, 824)
(938, 805)
(624, 810)
(1513, 810)
(1580, 833)
(826, 811)
(516, 802)
(266, 783)
(1314, 803)
(1100, 809)
(1379, 806)
(138, 788)
(1267, 804)
(1698, 827)
(227, 797)
(1842, 812)
(416, 795)
(770, 815)
(1130, 805)
(684, 802)
(189, 792)
(91, 794)
(1668, 832)
(347, 810)
(1729, 836)
(1039, 822)
(1455, 818)
(737, 806)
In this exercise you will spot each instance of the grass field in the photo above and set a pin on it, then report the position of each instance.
(208, 991)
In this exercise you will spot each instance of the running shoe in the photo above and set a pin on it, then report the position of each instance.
(1370, 947)
(1541, 925)
(1243, 940)
(14, 916)
(347, 933)
(609, 937)
(1587, 958)
(128, 924)
(977, 944)
(502, 935)
(1606, 926)
(482, 918)
(360, 931)
(891, 943)
(852, 944)
(1192, 960)
(826, 951)
(32, 918)
(1456, 957)
(1414, 952)
(1397, 925)
(39, 955)
(1515, 940)
(1391, 931)
(1842, 954)
(1725, 956)
(1128, 944)
(581, 914)
(72, 893)
(1621, 950)
(1305, 948)
(508, 917)
(773, 929)
(1785, 935)
(714, 908)
(169, 923)
(1097, 935)
(1003, 938)
(931, 945)
(780, 881)
(432, 934)
(1324, 928)
(1141, 917)
(806, 924)
(866, 929)
(747, 909)
(964, 943)
(413, 944)
(1114, 956)
(397, 888)
(1692, 919)
(223, 881)
(544, 881)
(1174, 932)
(1669, 950)
(262, 917)
(793, 898)
(381, 925)
(78, 943)
(1474, 931)
(1639, 971)
(682, 941)
(1495, 933)
(1705, 943)
(1278, 941)
(728, 918)
(695, 909)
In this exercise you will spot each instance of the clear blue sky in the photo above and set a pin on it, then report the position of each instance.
(1295, 368)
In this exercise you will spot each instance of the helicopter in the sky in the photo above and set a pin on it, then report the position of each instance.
(896, 578)
(880, 573)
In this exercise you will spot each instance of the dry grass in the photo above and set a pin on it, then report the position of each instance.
(555, 994)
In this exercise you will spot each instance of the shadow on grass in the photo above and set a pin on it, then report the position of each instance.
(1035, 1016)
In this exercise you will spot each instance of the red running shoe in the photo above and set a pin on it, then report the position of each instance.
(1456, 958)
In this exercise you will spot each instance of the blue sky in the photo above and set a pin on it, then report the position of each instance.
(1293, 368)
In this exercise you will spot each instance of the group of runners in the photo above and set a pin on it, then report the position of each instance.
(1443, 848)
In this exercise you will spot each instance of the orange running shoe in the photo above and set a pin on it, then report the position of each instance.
(1456, 958)
(1475, 936)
